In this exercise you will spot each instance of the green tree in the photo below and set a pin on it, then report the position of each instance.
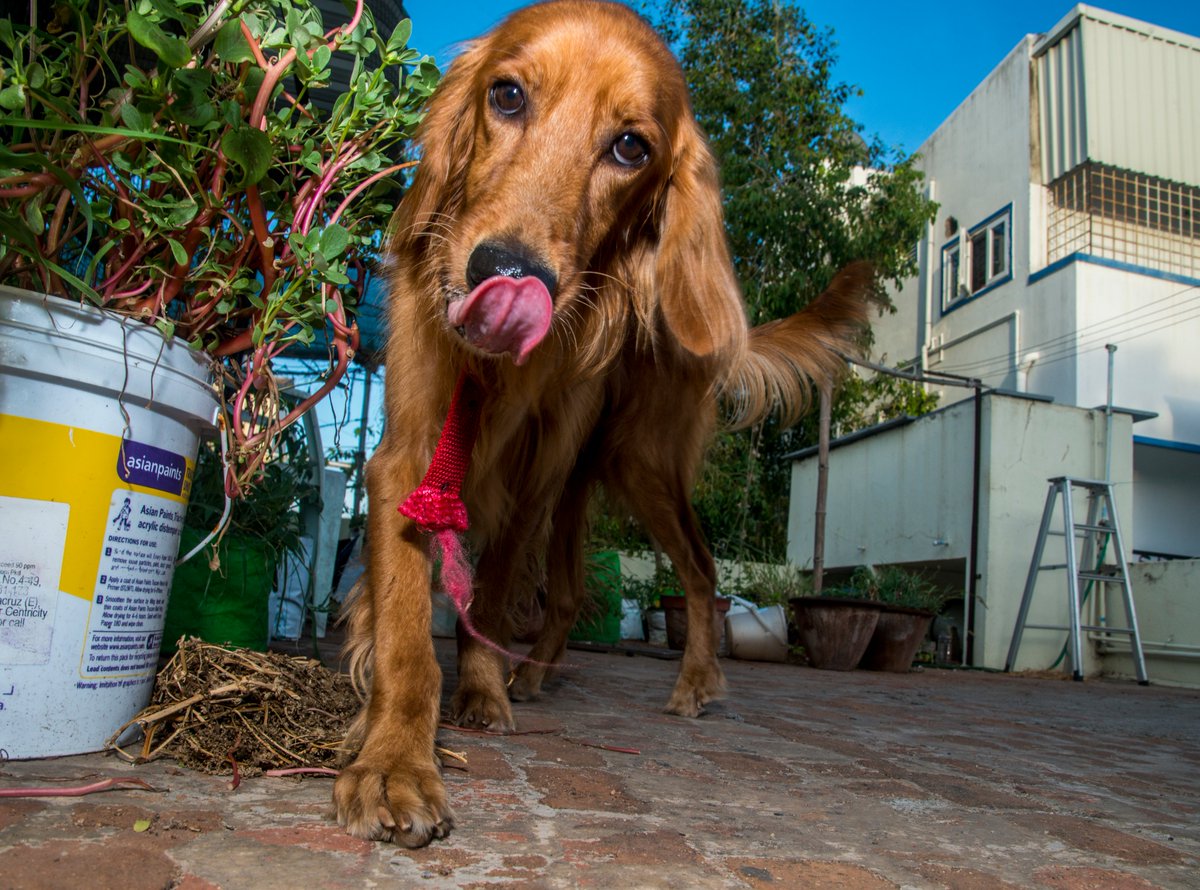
(805, 193)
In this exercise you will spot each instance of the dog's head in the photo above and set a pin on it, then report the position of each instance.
(563, 180)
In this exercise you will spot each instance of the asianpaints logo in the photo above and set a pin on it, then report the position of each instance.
(142, 464)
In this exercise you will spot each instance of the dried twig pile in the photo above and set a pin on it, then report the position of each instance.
(223, 711)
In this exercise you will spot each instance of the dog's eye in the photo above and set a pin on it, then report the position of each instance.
(507, 97)
(630, 150)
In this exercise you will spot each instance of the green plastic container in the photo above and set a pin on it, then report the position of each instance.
(600, 619)
(227, 607)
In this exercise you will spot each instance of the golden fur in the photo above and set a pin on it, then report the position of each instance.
(648, 333)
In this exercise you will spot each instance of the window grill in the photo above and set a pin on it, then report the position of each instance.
(1125, 216)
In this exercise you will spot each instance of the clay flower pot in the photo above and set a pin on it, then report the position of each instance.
(898, 635)
(675, 608)
(834, 631)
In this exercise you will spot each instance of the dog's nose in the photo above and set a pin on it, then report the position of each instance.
(490, 259)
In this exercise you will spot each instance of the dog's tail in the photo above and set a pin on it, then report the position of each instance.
(788, 356)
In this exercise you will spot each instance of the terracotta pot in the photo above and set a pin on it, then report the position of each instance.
(834, 631)
(675, 608)
(898, 635)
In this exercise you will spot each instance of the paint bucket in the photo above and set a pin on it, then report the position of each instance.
(756, 634)
(100, 419)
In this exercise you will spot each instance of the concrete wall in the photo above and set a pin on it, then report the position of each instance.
(904, 496)
(1165, 595)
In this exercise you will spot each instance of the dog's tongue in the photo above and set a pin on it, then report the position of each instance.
(505, 315)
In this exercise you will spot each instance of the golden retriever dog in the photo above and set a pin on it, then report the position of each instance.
(563, 245)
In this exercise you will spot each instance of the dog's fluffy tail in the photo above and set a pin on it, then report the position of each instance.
(786, 357)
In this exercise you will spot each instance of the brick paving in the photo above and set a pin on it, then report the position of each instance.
(799, 778)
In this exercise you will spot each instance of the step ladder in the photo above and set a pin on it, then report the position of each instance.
(1100, 529)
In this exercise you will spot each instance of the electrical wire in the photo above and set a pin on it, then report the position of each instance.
(1093, 336)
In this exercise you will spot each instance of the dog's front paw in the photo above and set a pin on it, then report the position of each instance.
(699, 683)
(482, 709)
(404, 804)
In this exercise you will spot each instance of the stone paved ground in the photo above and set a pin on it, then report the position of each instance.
(801, 778)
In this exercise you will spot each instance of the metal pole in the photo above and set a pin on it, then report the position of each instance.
(360, 456)
(822, 488)
(1108, 414)
(968, 653)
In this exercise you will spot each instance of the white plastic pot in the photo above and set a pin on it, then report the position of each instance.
(100, 419)
(754, 633)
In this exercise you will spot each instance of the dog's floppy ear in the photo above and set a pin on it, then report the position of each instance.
(697, 290)
(446, 139)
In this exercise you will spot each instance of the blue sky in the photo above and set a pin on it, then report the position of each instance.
(914, 62)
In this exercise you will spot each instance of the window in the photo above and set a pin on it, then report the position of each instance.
(951, 272)
(1125, 216)
(988, 260)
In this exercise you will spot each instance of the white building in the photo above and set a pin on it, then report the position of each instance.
(1069, 193)
(1069, 218)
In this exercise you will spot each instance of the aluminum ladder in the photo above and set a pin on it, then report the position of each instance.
(1100, 529)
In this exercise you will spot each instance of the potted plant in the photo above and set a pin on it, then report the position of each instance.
(599, 620)
(167, 161)
(836, 626)
(756, 627)
(908, 603)
(175, 205)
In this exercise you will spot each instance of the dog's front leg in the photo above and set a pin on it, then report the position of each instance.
(393, 790)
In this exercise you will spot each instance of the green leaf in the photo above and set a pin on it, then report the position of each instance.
(141, 825)
(171, 51)
(12, 97)
(134, 119)
(334, 241)
(399, 38)
(182, 213)
(35, 76)
(321, 57)
(250, 149)
(33, 216)
(230, 44)
(178, 252)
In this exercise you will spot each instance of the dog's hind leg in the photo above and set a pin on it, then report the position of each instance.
(564, 591)
(481, 698)
(653, 471)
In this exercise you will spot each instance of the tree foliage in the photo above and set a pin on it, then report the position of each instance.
(805, 191)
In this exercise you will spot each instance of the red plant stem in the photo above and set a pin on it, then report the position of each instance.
(130, 294)
(56, 222)
(78, 790)
(614, 748)
(328, 177)
(113, 281)
(367, 183)
(301, 771)
(255, 49)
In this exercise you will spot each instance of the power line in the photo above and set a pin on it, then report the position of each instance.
(1101, 330)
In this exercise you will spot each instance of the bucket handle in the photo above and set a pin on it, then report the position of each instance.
(753, 610)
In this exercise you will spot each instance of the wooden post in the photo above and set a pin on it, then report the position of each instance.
(822, 485)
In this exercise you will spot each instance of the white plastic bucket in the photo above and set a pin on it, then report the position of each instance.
(100, 419)
(631, 621)
(756, 634)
